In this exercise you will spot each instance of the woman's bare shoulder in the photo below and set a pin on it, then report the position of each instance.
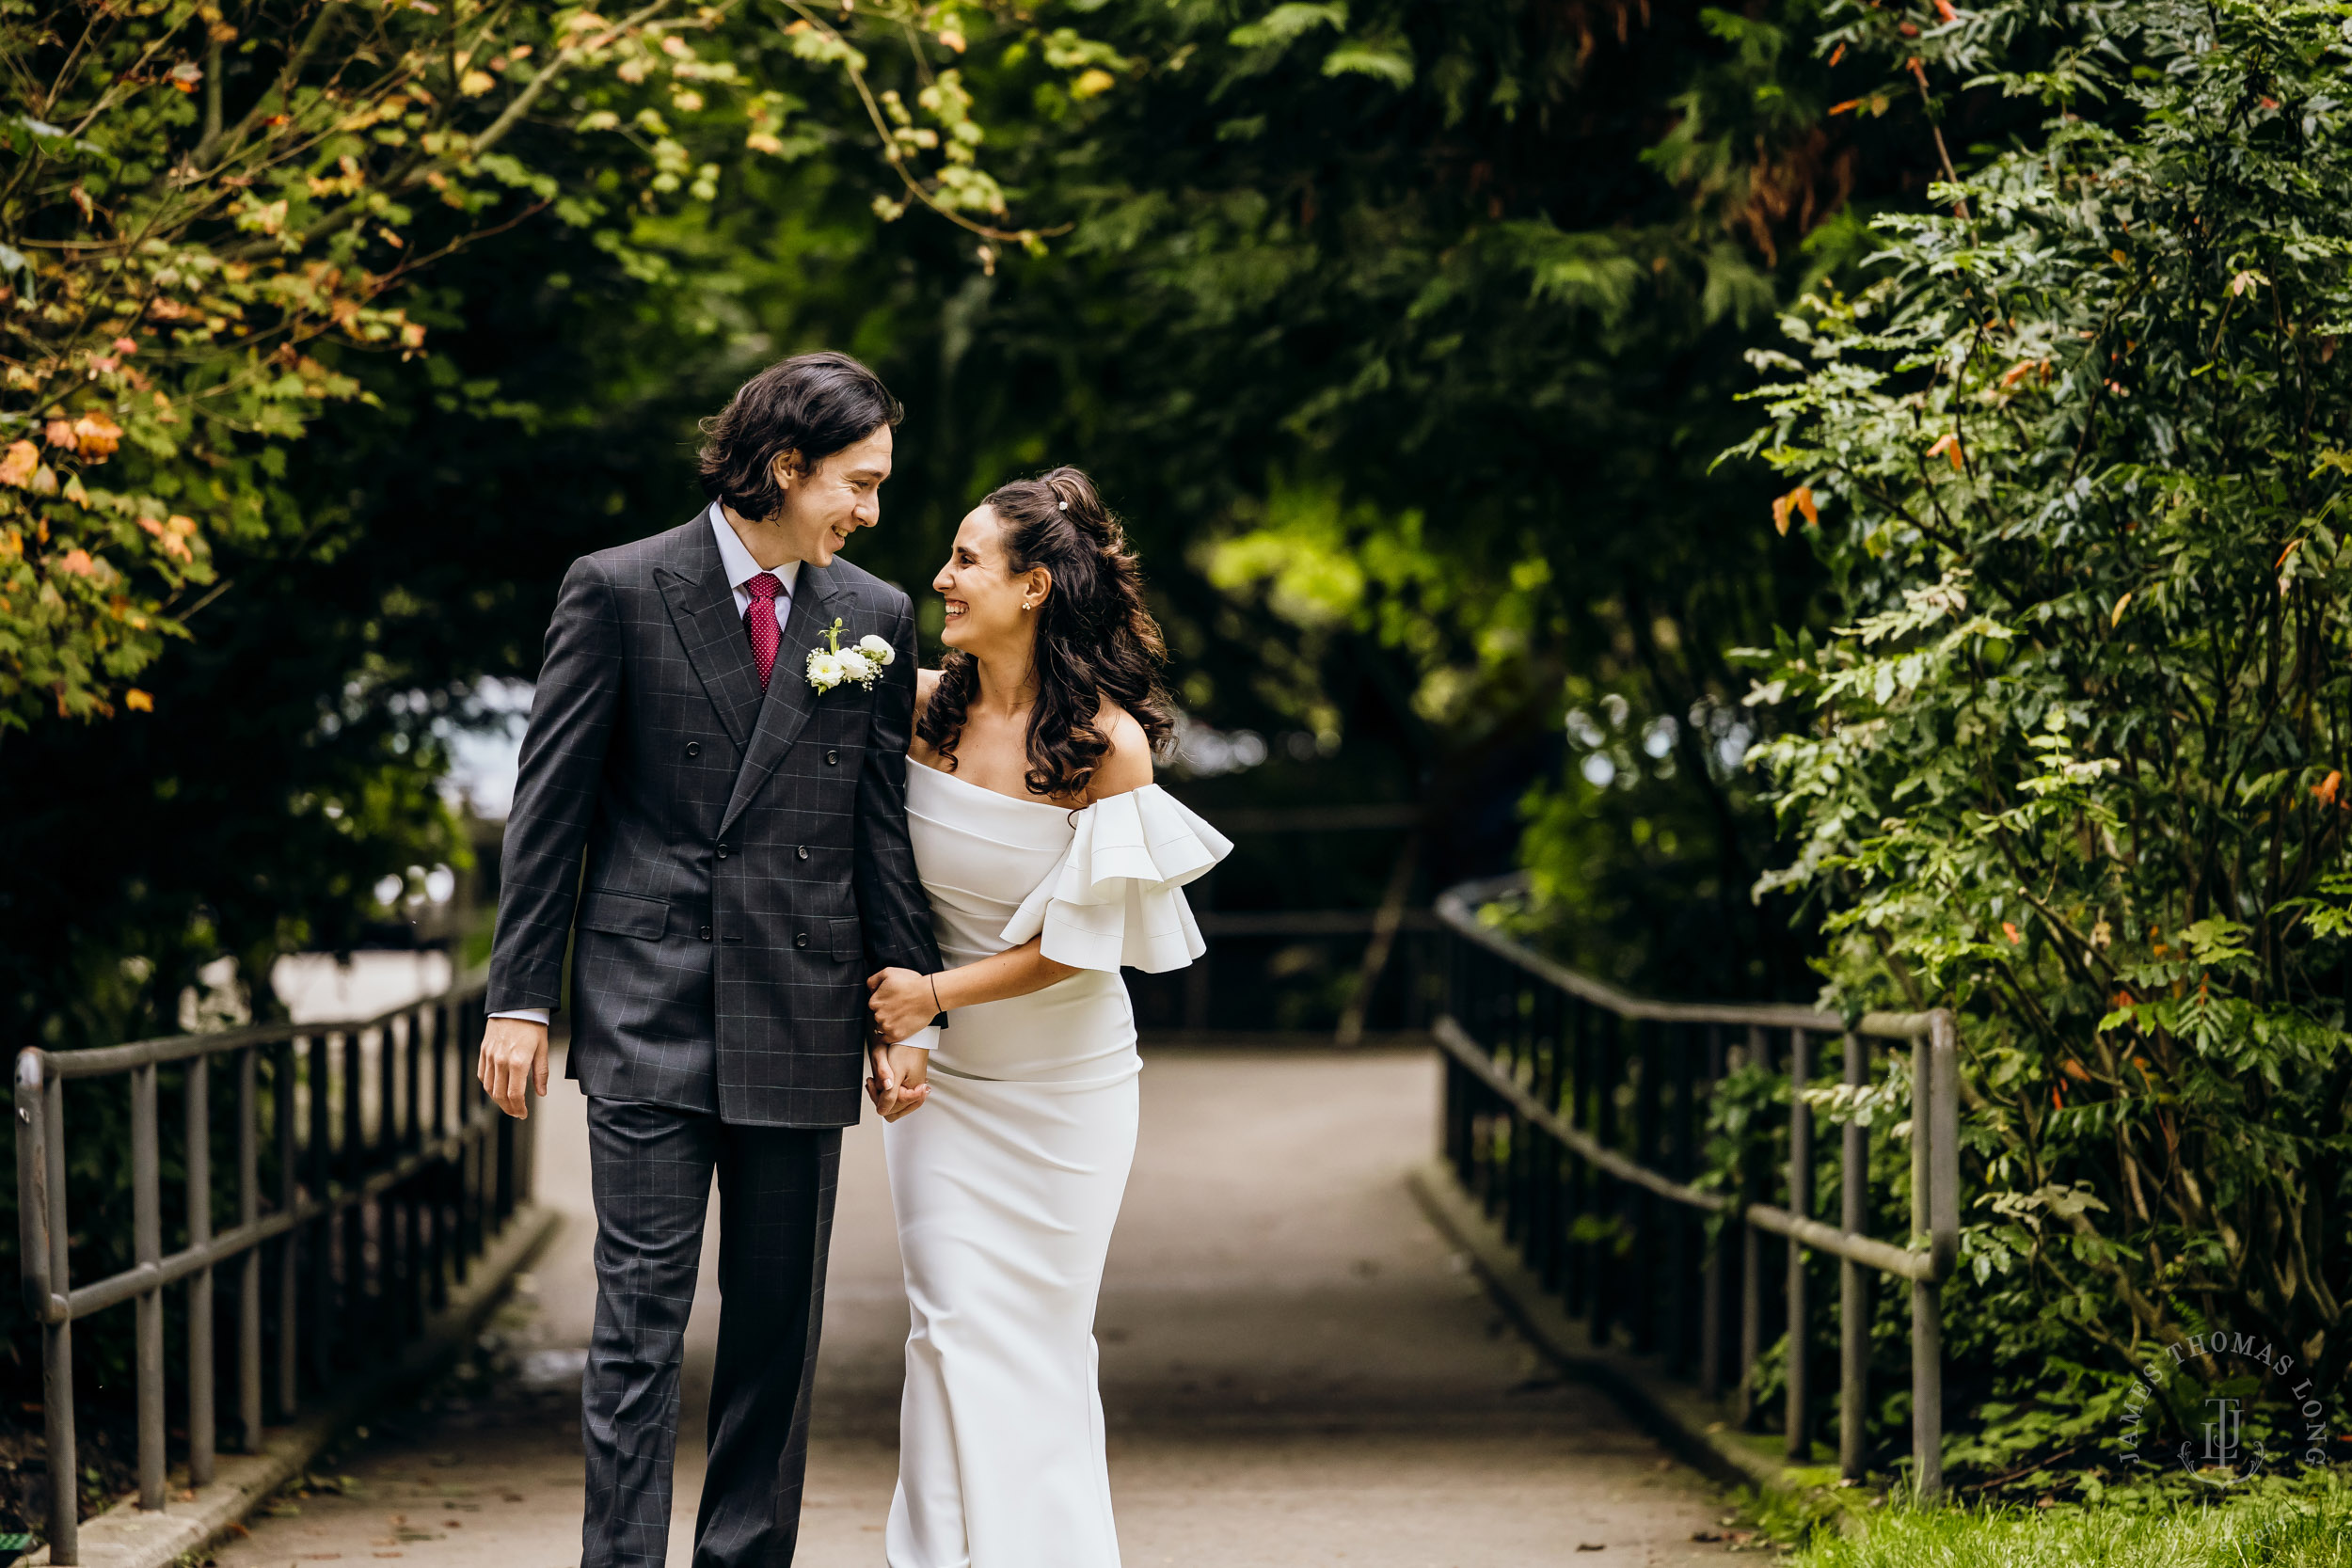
(1127, 765)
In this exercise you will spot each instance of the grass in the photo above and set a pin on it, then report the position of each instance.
(2303, 1527)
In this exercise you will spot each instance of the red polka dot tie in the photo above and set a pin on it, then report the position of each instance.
(760, 620)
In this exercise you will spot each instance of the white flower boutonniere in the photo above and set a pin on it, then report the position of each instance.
(861, 663)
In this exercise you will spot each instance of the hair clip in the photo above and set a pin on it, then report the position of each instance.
(1064, 505)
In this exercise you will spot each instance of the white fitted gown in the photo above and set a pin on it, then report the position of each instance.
(1008, 1181)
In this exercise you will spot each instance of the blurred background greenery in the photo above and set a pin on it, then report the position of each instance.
(1404, 336)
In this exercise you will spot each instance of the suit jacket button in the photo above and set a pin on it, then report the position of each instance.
(801, 940)
(722, 851)
(833, 759)
(704, 933)
(694, 748)
(804, 852)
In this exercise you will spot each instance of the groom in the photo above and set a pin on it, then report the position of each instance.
(746, 867)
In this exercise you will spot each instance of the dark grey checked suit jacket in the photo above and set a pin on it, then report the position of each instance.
(747, 864)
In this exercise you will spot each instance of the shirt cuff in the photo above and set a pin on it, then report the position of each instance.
(529, 1015)
(924, 1038)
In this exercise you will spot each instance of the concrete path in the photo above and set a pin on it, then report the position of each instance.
(1295, 1369)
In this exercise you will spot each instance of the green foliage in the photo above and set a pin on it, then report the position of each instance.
(2072, 763)
(1415, 326)
(214, 208)
(2267, 1526)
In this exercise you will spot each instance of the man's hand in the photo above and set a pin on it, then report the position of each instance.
(514, 1064)
(901, 1080)
(902, 1003)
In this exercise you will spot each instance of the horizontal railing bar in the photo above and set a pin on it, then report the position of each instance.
(1878, 1255)
(1454, 911)
(98, 1061)
(136, 1281)
(1882, 1255)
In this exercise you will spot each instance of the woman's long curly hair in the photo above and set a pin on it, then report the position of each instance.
(1095, 638)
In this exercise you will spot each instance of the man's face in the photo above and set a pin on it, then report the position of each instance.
(823, 506)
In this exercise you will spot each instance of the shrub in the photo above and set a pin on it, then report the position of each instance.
(2072, 763)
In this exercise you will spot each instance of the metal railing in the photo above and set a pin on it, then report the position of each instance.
(387, 1169)
(1578, 1114)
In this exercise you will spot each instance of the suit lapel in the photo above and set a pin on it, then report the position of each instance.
(702, 607)
(816, 601)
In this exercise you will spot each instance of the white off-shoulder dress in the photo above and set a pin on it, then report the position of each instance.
(1009, 1178)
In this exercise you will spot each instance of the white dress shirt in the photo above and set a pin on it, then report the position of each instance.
(741, 568)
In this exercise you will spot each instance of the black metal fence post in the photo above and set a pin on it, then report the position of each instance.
(147, 1233)
(1854, 1283)
(1799, 1369)
(249, 1282)
(202, 1413)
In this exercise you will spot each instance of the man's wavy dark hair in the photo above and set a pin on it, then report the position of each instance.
(811, 405)
(1096, 639)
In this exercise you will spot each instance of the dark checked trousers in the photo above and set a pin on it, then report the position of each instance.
(652, 1167)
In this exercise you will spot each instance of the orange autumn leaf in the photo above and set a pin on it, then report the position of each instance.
(1847, 107)
(1799, 500)
(78, 562)
(16, 469)
(137, 701)
(58, 433)
(1947, 446)
(2010, 930)
(97, 436)
(2326, 788)
(2075, 1070)
(1943, 10)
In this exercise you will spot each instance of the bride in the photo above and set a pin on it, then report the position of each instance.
(1051, 859)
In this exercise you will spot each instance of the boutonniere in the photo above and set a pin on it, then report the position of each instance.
(861, 662)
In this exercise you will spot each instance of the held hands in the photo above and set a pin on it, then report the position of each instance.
(902, 1002)
(513, 1064)
(900, 1081)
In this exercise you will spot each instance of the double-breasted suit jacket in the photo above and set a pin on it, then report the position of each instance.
(746, 863)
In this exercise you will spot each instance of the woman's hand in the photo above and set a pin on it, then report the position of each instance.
(902, 1002)
(901, 1082)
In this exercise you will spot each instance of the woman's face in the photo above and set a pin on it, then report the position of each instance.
(985, 597)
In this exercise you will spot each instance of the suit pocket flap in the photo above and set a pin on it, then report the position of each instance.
(849, 939)
(625, 914)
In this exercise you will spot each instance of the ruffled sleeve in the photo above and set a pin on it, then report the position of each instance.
(1115, 899)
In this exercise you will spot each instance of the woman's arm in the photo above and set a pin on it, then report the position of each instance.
(904, 1001)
